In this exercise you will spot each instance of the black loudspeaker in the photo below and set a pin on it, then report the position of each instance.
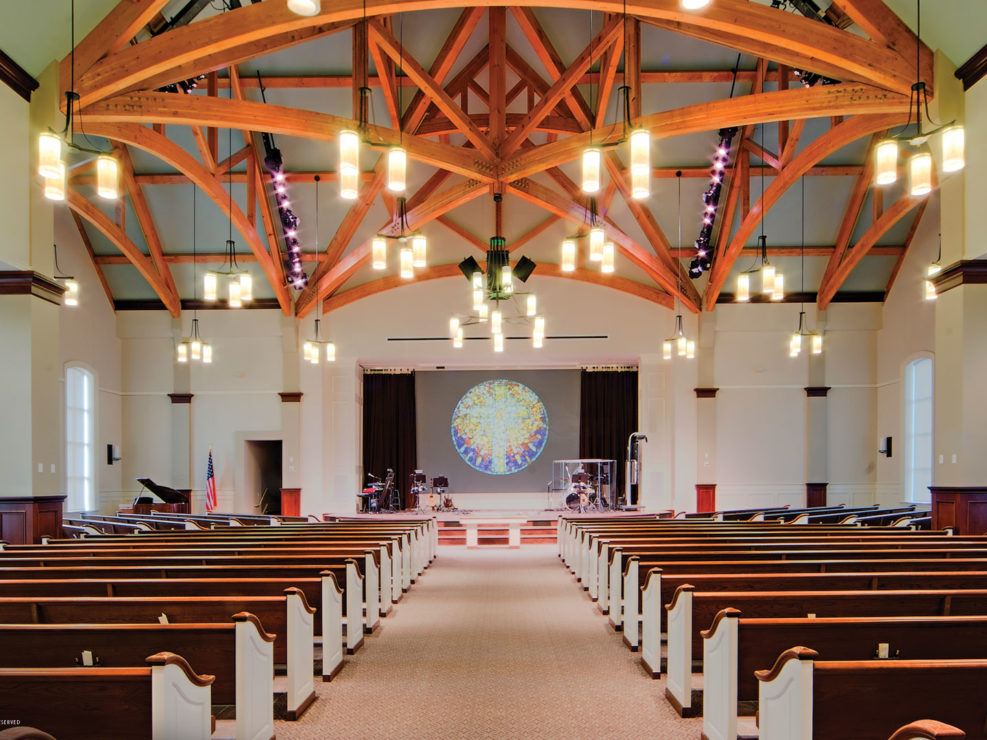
(468, 266)
(523, 269)
(887, 447)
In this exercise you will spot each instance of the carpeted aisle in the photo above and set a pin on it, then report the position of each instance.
(493, 644)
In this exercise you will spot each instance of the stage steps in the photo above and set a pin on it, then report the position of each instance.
(496, 533)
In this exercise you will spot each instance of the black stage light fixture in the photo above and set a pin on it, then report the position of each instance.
(469, 266)
(523, 269)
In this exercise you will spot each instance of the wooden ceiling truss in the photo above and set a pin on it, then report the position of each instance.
(120, 70)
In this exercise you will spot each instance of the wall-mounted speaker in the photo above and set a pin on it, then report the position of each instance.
(887, 447)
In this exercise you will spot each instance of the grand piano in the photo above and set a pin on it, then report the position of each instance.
(170, 500)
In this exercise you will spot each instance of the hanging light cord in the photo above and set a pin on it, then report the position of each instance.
(802, 267)
(678, 271)
(315, 251)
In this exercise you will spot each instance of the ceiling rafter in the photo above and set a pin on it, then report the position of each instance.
(145, 219)
(834, 139)
(740, 172)
(437, 272)
(344, 234)
(121, 241)
(444, 60)
(562, 85)
(581, 110)
(389, 45)
(854, 207)
(898, 210)
(97, 263)
(575, 212)
(812, 102)
(149, 107)
(388, 76)
(790, 39)
(904, 249)
(166, 150)
(257, 186)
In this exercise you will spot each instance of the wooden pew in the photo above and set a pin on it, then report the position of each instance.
(322, 590)
(691, 609)
(802, 697)
(734, 647)
(239, 654)
(358, 588)
(163, 700)
(289, 617)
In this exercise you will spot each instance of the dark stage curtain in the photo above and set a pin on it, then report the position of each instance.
(389, 439)
(607, 417)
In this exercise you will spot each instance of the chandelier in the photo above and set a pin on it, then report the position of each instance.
(494, 291)
(69, 281)
(413, 250)
(772, 281)
(51, 164)
(915, 139)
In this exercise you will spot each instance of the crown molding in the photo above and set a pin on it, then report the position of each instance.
(16, 77)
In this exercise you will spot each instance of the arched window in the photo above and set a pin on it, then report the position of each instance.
(918, 430)
(80, 428)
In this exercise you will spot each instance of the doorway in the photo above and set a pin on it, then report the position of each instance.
(262, 477)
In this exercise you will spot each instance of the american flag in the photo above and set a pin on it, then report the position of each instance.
(210, 485)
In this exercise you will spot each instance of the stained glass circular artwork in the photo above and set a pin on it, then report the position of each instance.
(499, 427)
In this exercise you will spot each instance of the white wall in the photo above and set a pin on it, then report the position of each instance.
(907, 332)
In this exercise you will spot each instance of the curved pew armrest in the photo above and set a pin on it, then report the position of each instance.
(796, 653)
(928, 729)
(248, 617)
(301, 595)
(166, 658)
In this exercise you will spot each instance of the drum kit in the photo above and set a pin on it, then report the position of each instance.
(582, 496)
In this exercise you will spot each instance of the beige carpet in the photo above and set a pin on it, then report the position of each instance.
(493, 644)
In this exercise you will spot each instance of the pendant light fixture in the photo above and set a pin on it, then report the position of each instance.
(934, 268)
(915, 139)
(608, 264)
(397, 157)
(772, 281)
(678, 343)
(192, 348)
(305, 7)
(51, 165)
(312, 350)
(413, 251)
(71, 297)
(496, 291)
(803, 333)
(569, 255)
(239, 282)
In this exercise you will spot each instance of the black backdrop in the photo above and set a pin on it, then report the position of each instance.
(389, 439)
(608, 416)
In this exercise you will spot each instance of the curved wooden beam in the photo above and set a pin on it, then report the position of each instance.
(791, 39)
(879, 228)
(390, 282)
(784, 105)
(576, 213)
(155, 107)
(121, 241)
(833, 140)
(419, 213)
(170, 152)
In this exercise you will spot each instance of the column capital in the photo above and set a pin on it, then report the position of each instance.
(706, 392)
(964, 272)
(29, 282)
(181, 397)
(291, 396)
(817, 391)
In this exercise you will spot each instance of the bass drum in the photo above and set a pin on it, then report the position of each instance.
(572, 501)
